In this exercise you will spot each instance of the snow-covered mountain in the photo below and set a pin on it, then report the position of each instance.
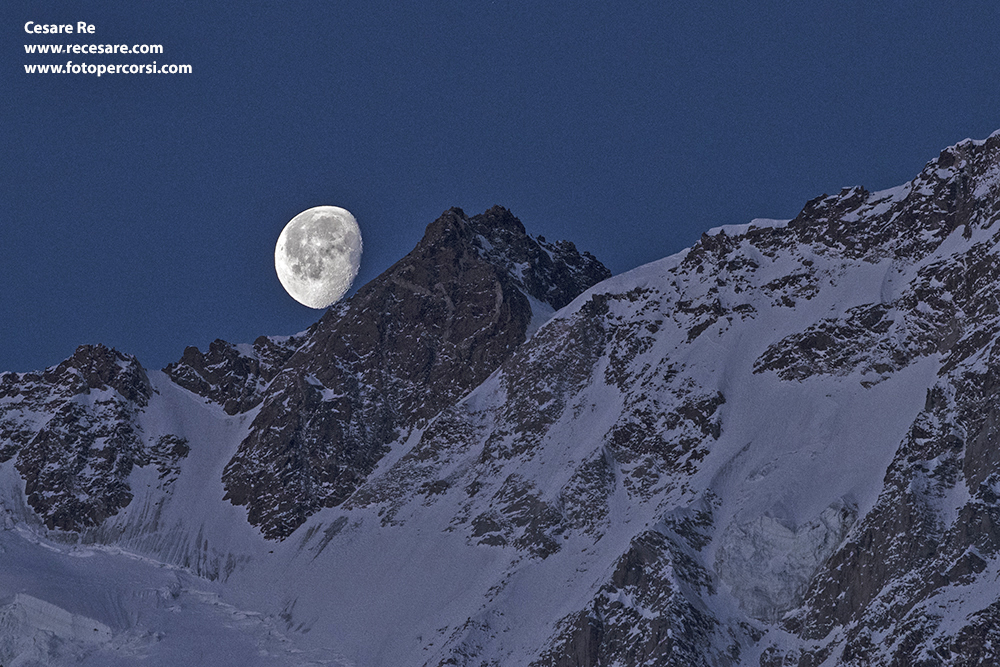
(777, 447)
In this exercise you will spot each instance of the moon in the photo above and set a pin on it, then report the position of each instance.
(318, 254)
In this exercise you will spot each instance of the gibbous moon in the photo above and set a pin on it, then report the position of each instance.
(318, 255)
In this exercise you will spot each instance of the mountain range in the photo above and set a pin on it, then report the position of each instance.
(777, 447)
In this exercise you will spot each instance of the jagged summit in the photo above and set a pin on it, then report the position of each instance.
(74, 435)
(406, 345)
(552, 273)
(779, 447)
(91, 367)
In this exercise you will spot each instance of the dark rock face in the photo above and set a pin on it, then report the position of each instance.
(649, 611)
(406, 346)
(553, 273)
(225, 375)
(74, 430)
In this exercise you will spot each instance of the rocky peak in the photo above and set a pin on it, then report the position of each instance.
(959, 189)
(497, 219)
(74, 430)
(553, 273)
(96, 367)
(233, 376)
(404, 347)
(450, 227)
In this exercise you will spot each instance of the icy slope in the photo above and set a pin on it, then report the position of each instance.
(80, 605)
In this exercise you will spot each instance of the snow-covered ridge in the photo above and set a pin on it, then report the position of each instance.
(739, 230)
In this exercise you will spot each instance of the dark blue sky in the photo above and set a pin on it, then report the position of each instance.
(141, 211)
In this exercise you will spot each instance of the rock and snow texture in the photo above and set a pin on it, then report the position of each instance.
(386, 361)
(76, 436)
(778, 447)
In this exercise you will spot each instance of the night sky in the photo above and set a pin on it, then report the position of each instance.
(141, 211)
